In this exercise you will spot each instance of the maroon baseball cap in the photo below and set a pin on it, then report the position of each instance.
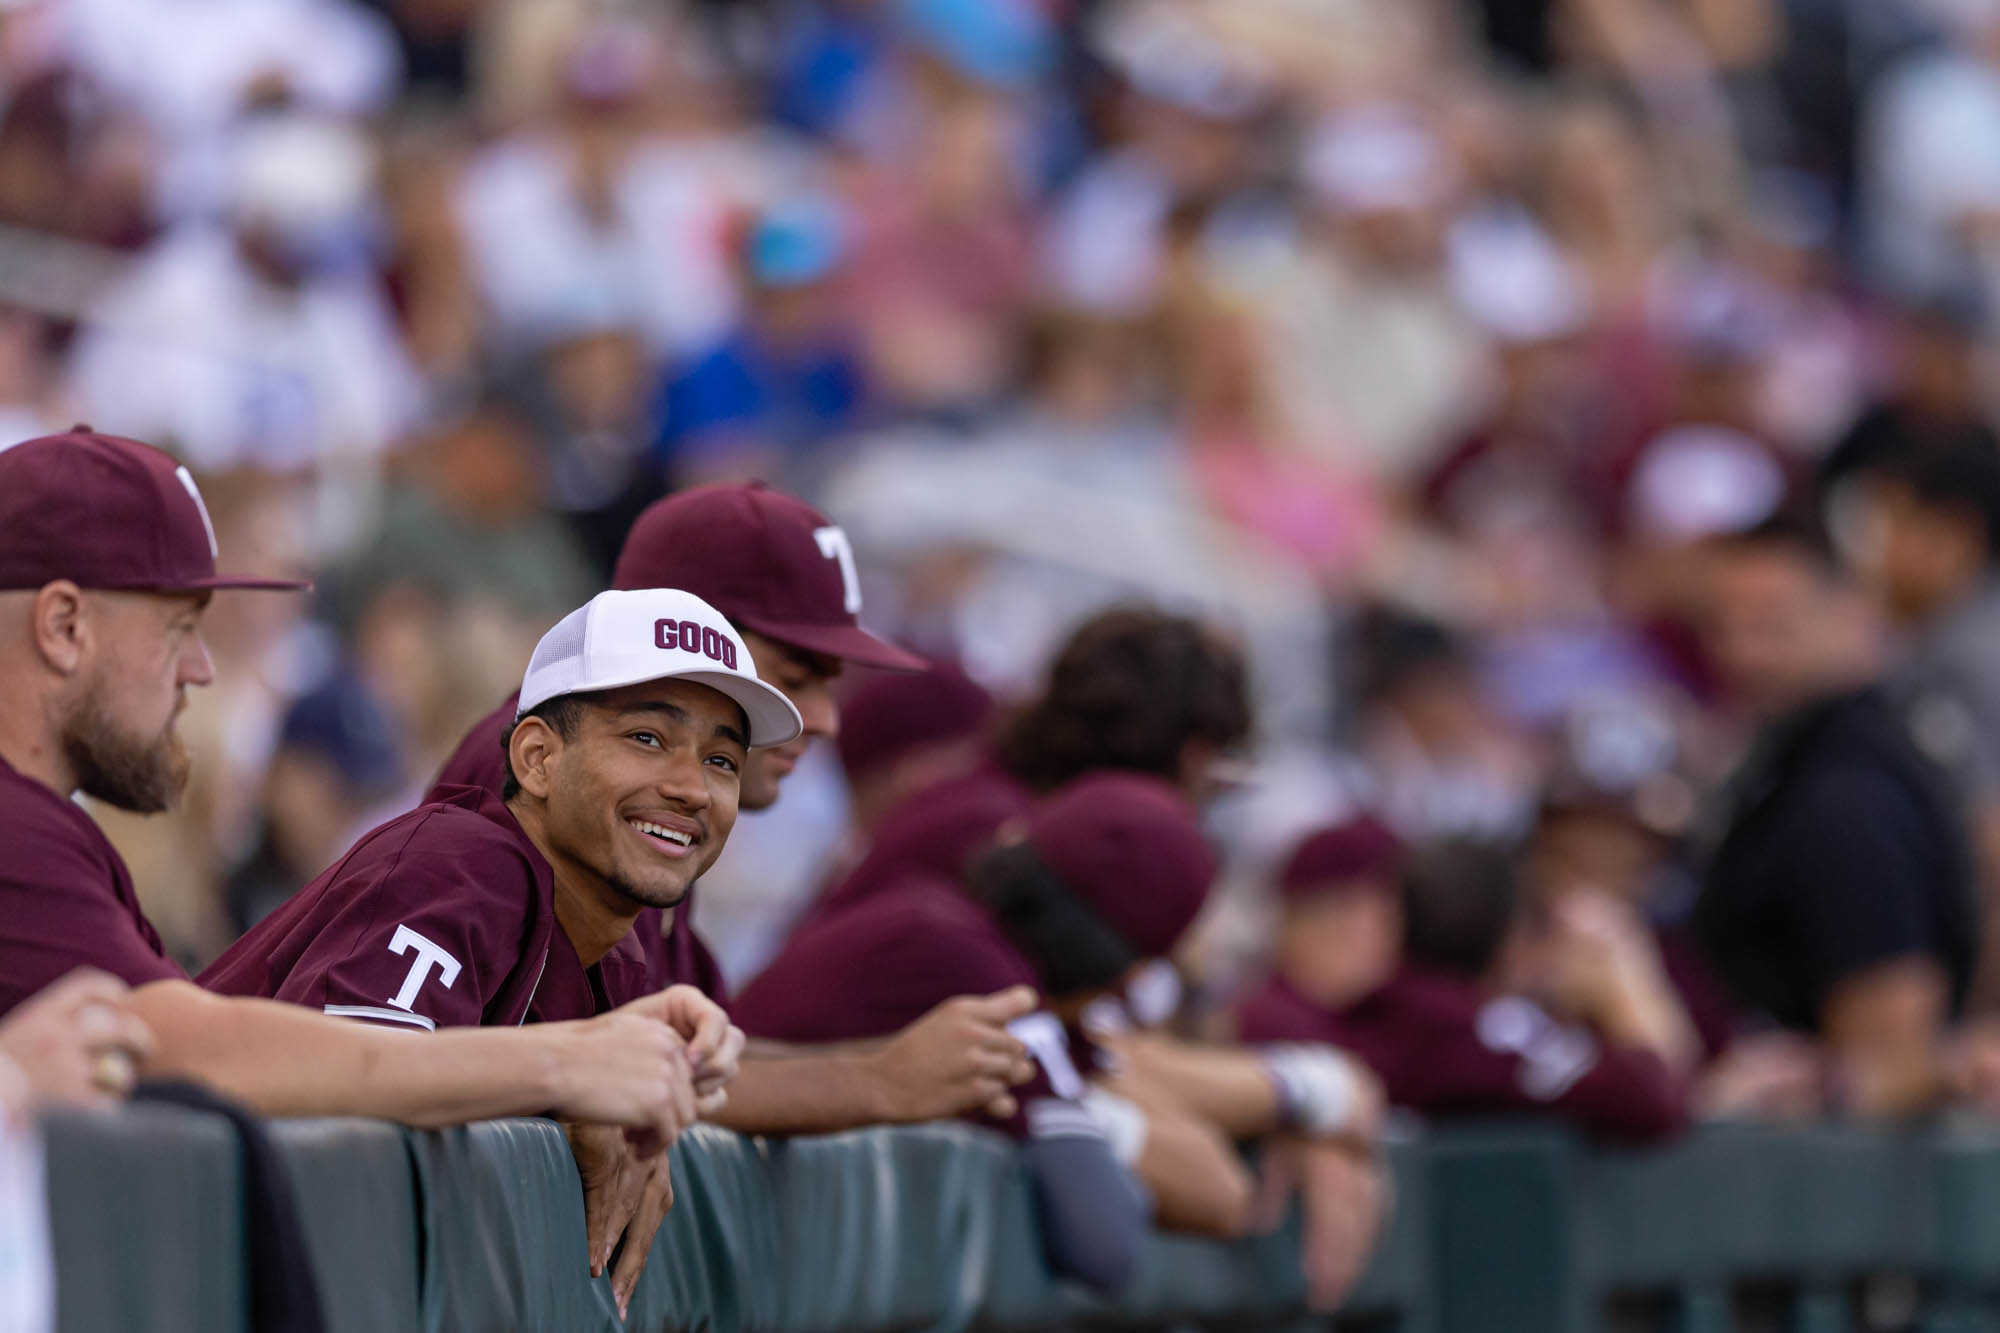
(767, 561)
(1130, 847)
(885, 717)
(1361, 848)
(107, 512)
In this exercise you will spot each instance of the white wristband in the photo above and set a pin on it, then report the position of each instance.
(1317, 1087)
(1123, 1123)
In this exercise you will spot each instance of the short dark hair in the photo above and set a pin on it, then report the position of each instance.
(1961, 480)
(1386, 649)
(1796, 527)
(1072, 947)
(1460, 899)
(564, 714)
(1128, 691)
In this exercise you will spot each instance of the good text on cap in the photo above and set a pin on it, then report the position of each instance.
(691, 636)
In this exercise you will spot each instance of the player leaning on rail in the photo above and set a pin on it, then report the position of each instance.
(107, 562)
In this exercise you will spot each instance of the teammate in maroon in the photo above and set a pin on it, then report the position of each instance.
(1437, 976)
(1110, 873)
(107, 560)
(784, 576)
(1132, 690)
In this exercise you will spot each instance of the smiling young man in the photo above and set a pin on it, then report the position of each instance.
(639, 712)
(784, 576)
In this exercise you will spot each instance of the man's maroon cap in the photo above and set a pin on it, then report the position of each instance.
(886, 717)
(1362, 848)
(765, 560)
(106, 512)
(1131, 848)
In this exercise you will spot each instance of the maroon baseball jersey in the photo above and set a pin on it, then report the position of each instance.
(870, 969)
(934, 831)
(1441, 1045)
(443, 917)
(66, 898)
(673, 952)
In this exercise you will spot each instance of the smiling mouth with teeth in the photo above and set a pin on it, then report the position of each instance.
(666, 835)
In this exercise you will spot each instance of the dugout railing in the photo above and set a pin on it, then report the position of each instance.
(1498, 1229)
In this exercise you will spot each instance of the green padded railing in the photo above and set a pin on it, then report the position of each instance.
(482, 1229)
(1498, 1229)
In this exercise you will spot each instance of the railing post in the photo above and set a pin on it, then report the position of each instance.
(1507, 1247)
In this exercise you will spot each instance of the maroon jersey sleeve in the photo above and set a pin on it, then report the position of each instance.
(478, 761)
(1514, 1056)
(1272, 1012)
(428, 924)
(879, 965)
(66, 900)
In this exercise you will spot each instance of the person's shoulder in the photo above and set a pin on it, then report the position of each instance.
(1273, 1011)
(34, 819)
(467, 838)
(1431, 1001)
(926, 922)
(1858, 743)
(477, 761)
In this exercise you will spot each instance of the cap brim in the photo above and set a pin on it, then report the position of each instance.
(850, 643)
(239, 581)
(773, 720)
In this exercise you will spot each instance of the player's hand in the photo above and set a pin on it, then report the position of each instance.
(1345, 1195)
(625, 1199)
(712, 1077)
(77, 1042)
(715, 1045)
(626, 1068)
(1770, 1076)
(958, 1057)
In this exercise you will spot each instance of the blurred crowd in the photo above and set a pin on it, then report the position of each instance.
(1575, 412)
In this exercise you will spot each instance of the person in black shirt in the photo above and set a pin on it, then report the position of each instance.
(1839, 900)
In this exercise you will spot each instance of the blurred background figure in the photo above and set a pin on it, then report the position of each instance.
(1466, 995)
(338, 763)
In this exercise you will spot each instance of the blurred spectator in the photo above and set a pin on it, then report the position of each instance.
(1862, 932)
(941, 275)
(1621, 797)
(1136, 691)
(1374, 369)
(1439, 760)
(263, 344)
(630, 161)
(1929, 162)
(789, 373)
(338, 760)
(1465, 998)
(902, 733)
(1933, 539)
(327, 58)
(1935, 401)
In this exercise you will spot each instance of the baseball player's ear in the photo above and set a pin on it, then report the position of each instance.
(61, 625)
(531, 750)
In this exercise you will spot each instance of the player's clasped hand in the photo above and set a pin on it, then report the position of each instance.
(629, 1068)
(626, 1197)
(714, 1044)
(958, 1057)
(77, 1043)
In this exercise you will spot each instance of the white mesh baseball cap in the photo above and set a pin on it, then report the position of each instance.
(624, 638)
